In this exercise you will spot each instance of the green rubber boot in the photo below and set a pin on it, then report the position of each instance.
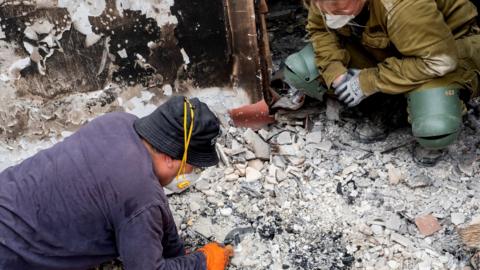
(435, 115)
(301, 72)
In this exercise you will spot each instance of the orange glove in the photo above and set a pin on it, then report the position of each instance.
(217, 255)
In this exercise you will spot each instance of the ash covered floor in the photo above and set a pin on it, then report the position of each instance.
(317, 199)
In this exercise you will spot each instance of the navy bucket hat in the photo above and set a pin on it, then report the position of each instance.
(163, 129)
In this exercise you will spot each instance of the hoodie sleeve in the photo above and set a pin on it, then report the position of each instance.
(426, 44)
(146, 241)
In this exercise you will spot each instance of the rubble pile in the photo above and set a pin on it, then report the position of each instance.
(318, 200)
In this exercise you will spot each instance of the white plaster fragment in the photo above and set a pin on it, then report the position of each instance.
(47, 3)
(123, 53)
(15, 68)
(79, 12)
(42, 27)
(28, 47)
(167, 90)
(30, 33)
(186, 59)
(148, 7)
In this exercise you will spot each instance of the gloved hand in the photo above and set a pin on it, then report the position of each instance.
(347, 88)
(217, 255)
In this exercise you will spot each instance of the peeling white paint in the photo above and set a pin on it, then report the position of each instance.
(42, 27)
(94, 7)
(7, 57)
(186, 59)
(140, 106)
(163, 17)
(47, 3)
(123, 53)
(48, 45)
(14, 70)
(79, 12)
(167, 90)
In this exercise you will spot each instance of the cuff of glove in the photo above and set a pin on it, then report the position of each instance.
(332, 71)
(368, 79)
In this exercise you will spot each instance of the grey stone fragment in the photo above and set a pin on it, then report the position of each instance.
(288, 150)
(252, 175)
(279, 161)
(419, 181)
(203, 226)
(394, 222)
(259, 146)
(314, 137)
(249, 155)
(402, 240)
(256, 164)
(333, 109)
(202, 185)
(194, 206)
(264, 134)
(284, 138)
(280, 175)
(325, 146)
(377, 229)
(226, 212)
(457, 218)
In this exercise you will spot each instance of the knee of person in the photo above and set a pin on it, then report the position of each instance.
(436, 116)
(301, 72)
(442, 131)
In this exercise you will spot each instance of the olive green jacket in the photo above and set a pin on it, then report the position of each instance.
(413, 42)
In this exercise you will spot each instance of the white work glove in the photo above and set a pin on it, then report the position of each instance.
(348, 88)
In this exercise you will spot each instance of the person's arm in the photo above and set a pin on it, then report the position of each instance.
(419, 32)
(139, 243)
(172, 244)
(330, 58)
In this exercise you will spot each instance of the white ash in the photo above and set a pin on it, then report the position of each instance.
(337, 207)
(348, 205)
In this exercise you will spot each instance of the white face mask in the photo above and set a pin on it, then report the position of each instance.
(181, 183)
(337, 21)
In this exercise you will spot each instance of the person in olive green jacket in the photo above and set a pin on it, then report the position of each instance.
(428, 50)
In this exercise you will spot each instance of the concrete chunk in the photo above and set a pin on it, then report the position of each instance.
(258, 145)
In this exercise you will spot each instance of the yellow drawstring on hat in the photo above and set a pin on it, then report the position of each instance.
(187, 136)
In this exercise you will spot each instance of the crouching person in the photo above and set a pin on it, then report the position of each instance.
(426, 50)
(98, 194)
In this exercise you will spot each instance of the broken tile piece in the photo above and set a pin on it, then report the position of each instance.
(314, 137)
(252, 174)
(203, 226)
(325, 146)
(284, 138)
(402, 240)
(427, 225)
(259, 146)
(419, 181)
(256, 164)
(457, 218)
(394, 222)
